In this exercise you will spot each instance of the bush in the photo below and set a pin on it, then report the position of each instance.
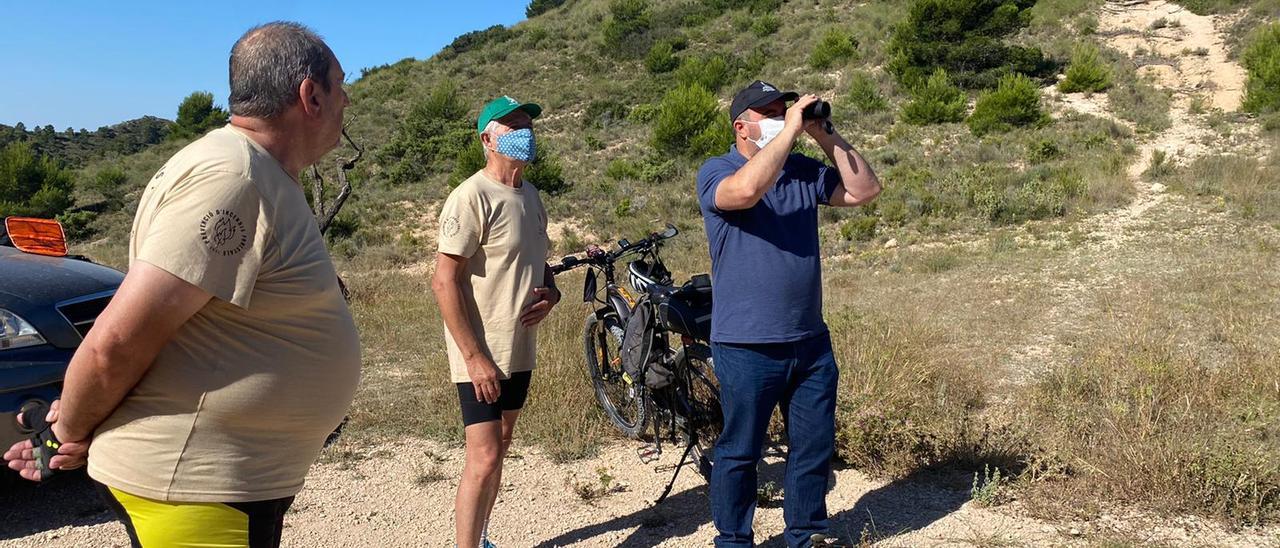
(711, 72)
(661, 58)
(691, 124)
(864, 95)
(546, 173)
(935, 102)
(110, 183)
(435, 130)
(477, 38)
(859, 229)
(766, 25)
(32, 184)
(963, 37)
(1015, 103)
(1086, 72)
(76, 224)
(539, 7)
(628, 21)
(1261, 60)
(836, 46)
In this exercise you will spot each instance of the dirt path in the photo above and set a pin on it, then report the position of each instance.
(404, 496)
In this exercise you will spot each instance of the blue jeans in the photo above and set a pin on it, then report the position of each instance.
(754, 378)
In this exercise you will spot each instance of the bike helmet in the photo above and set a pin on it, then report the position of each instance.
(643, 274)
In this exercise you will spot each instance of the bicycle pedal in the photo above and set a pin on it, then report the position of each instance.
(649, 453)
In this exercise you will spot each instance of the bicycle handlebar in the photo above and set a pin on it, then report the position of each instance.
(599, 257)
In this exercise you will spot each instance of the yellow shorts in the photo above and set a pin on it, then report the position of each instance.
(161, 524)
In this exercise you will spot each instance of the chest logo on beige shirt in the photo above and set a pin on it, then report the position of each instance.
(223, 232)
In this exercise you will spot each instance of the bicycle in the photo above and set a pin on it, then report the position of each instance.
(672, 389)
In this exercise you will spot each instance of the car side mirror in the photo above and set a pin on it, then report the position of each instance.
(37, 236)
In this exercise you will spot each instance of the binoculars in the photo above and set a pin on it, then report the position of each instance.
(819, 110)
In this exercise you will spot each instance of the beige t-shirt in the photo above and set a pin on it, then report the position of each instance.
(236, 406)
(503, 233)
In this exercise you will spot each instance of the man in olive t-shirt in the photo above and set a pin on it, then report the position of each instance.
(493, 286)
(206, 388)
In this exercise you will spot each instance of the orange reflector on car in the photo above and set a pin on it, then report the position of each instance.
(37, 236)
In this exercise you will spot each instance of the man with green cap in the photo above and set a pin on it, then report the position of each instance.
(494, 286)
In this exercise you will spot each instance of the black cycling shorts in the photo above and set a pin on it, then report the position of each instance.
(513, 393)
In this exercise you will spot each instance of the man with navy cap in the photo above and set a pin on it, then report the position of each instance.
(770, 344)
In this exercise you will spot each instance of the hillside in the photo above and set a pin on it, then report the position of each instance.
(75, 148)
(1069, 277)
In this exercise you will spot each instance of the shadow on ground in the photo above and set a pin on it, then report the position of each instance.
(28, 508)
(908, 504)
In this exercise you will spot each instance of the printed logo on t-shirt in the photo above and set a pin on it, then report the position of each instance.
(450, 227)
(223, 232)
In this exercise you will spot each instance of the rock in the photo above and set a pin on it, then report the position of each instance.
(1157, 188)
(892, 243)
(1074, 532)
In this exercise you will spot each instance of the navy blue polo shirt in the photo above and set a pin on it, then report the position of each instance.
(766, 269)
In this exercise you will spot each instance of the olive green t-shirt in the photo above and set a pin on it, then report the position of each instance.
(237, 405)
(502, 231)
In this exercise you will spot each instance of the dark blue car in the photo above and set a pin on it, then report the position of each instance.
(47, 305)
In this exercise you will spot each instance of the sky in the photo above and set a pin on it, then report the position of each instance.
(87, 64)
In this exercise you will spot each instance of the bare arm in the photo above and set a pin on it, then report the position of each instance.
(450, 270)
(748, 185)
(859, 183)
(145, 313)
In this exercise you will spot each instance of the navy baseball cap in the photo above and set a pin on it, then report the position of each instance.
(758, 94)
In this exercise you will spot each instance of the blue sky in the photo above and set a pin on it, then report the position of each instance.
(87, 64)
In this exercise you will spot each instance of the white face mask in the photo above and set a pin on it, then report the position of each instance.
(769, 128)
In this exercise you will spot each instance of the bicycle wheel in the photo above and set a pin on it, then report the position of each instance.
(705, 416)
(623, 399)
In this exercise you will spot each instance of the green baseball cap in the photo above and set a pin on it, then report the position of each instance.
(503, 106)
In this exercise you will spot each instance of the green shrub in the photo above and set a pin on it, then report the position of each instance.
(478, 38)
(691, 124)
(1014, 103)
(937, 101)
(466, 162)
(434, 132)
(864, 95)
(1086, 72)
(1261, 60)
(766, 25)
(546, 173)
(76, 224)
(1042, 151)
(963, 37)
(110, 183)
(628, 22)
(859, 229)
(643, 113)
(711, 72)
(661, 58)
(32, 184)
(621, 170)
(836, 46)
(539, 7)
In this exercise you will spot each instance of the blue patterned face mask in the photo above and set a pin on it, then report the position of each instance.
(518, 145)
